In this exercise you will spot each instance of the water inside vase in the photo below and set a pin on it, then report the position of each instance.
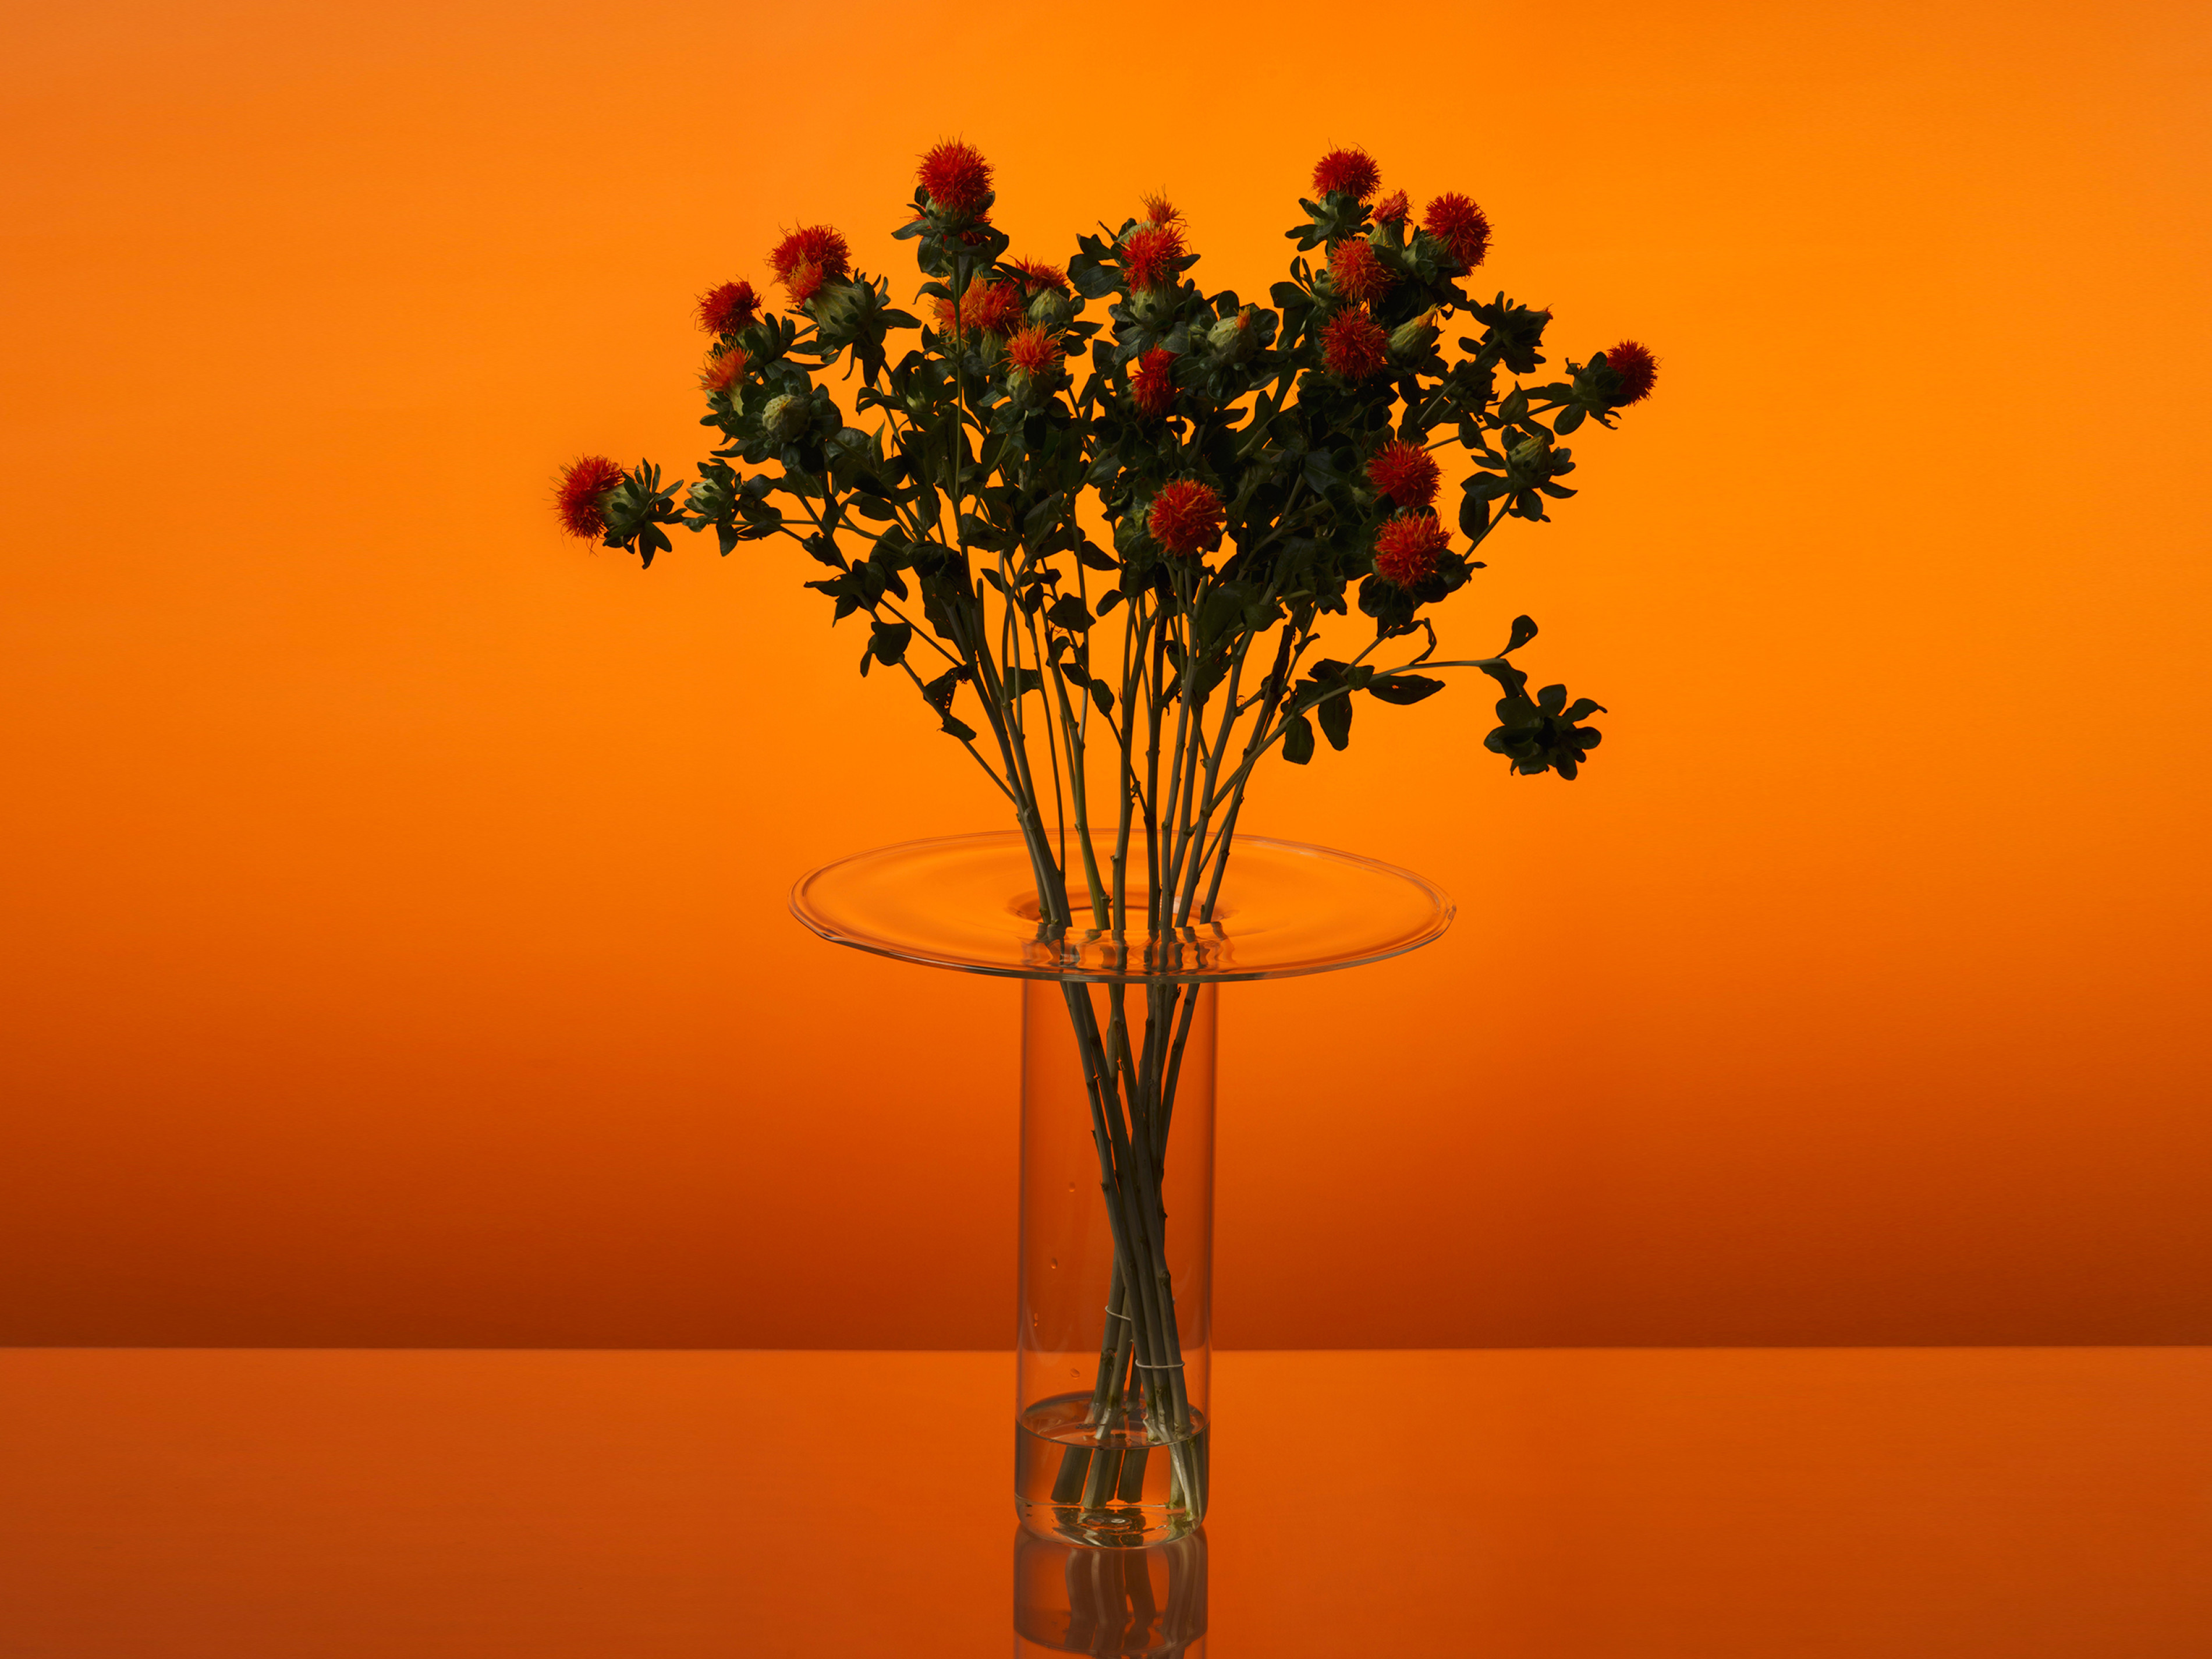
(1112, 1485)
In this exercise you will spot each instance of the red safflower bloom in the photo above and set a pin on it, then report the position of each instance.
(1352, 170)
(726, 309)
(1393, 208)
(811, 245)
(1154, 382)
(1186, 517)
(1405, 472)
(1037, 276)
(1460, 227)
(956, 177)
(722, 369)
(987, 307)
(1353, 345)
(1033, 351)
(1406, 547)
(1149, 256)
(803, 283)
(1160, 211)
(1355, 271)
(1636, 369)
(584, 487)
(994, 308)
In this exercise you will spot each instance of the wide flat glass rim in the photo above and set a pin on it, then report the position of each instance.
(957, 902)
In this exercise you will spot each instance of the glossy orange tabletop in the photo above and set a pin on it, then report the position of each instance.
(1622, 1503)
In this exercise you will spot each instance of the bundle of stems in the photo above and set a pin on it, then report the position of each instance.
(1255, 471)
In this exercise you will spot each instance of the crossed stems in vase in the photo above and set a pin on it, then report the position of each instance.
(1132, 1096)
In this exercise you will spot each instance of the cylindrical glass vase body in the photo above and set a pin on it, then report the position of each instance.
(1113, 1416)
(1112, 1401)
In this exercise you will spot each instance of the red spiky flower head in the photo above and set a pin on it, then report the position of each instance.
(1353, 172)
(1037, 276)
(1459, 227)
(722, 369)
(1393, 208)
(1033, 351)
(1406, 547)
(992, 308)
(1635, 367)
(1150, 255)
(802, 282)
(1159, 211)
(726, 309)
(580, 497)
(1355, 271)
(811, 245)
(1353, 344)
(1405, 472)
(1153, 384)
(957, 179)
(1186, 517)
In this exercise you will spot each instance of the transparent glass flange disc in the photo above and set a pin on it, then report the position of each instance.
(970, 902)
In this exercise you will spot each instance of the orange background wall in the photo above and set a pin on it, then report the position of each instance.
(396, 950)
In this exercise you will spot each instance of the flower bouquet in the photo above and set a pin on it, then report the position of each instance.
(1101, 521)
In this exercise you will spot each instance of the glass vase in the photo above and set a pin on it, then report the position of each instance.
(1111, 1436)
(1113, 1417)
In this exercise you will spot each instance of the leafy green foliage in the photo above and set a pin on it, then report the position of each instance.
(949, 503)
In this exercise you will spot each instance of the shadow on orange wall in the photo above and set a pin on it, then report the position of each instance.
(395, 891)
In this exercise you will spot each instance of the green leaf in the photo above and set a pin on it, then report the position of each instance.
(1507, 676)
(1524, 629)
(1092, 279)
(1069, 612)
(1336, 717)
(889, 640)
(1298, 741)
(1403, 689)
(1102, 694)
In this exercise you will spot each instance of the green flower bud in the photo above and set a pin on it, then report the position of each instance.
(1411, 341)
(786, 416)
(1152, 305)
(1235, 339)
(1052, 308)
(709, 497)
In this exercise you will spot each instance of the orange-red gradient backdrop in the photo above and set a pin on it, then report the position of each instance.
(396, 950)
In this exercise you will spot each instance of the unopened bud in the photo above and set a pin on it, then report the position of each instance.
(1235, 339)
(1052, 308)
(785, 418)
(1151, 305)
(1411, 340)
(1532, 454)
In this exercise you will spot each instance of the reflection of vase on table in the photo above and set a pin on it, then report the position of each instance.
(1109, 1604)
(1113, 1417)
